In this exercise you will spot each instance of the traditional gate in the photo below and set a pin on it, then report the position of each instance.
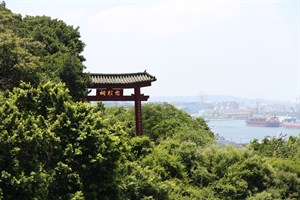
(110, 87)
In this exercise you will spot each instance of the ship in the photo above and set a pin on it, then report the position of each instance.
(263, 121)
(291, 123)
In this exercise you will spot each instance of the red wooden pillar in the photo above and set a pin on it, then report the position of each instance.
(138, 112)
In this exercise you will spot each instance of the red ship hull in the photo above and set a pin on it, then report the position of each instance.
(294, 125)
(262, 122)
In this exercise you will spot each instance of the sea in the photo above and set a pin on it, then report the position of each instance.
(236, 131)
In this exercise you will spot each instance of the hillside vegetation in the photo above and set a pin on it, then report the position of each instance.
(53, 146)
(39, 49)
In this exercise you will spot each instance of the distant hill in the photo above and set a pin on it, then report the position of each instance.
(211, 99)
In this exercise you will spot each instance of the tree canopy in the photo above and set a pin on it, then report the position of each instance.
(51, 147)
(55, 147)
(38, 49)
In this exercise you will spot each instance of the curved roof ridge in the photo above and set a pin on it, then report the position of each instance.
(122, 74)
(121, 78)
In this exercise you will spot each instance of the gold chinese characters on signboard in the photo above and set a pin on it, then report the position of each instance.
(110, 92)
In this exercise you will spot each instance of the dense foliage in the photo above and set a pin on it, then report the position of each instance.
(39, 49)
(54, 147)
(51, 147)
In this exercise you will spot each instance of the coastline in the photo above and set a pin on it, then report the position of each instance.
(236, 131)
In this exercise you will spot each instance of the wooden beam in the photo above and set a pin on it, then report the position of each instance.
(121, 98)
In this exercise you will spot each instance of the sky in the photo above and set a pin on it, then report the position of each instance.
(243, 48)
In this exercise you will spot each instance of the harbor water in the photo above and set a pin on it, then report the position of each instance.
(237, 131)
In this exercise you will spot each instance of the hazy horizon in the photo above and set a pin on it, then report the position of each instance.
(216, 97)
(242, 48)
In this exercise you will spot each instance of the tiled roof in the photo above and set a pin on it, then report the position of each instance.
(128, 78)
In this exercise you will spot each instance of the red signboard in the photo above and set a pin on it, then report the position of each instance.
(104, 92)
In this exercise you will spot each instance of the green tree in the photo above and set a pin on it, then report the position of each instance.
(3, 4)
(245, 178)
(17, 63)
(9, 20)
(62, 55)
(53, 148)
(278, 147)
(39, 49)
(162, 121)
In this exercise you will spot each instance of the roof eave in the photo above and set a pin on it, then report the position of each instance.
(120, 85)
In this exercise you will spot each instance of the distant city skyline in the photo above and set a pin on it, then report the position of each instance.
(239, 48)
